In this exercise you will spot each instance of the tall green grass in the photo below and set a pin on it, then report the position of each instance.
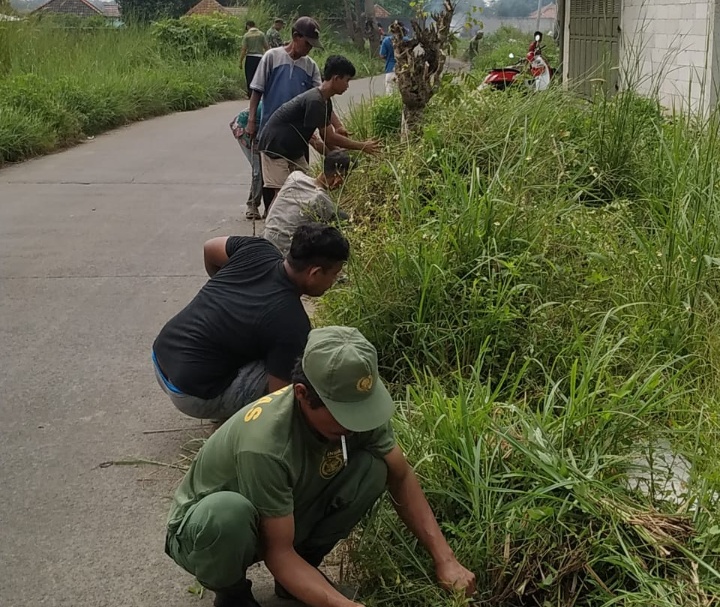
(541, 278)
(63, 84)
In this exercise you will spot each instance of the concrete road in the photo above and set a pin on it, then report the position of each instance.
(99, 246)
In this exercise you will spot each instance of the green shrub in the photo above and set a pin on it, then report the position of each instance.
(198, 36)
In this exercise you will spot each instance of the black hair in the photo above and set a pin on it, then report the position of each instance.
(317, 245)
(298, 377)
(249, 24)
(336, 162)
(538, 34)
(337, 65)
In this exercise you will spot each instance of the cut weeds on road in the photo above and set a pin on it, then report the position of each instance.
(540, 277)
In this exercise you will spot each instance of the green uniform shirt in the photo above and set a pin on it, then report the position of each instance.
(274, 38)
(268, 453)
(254, 42)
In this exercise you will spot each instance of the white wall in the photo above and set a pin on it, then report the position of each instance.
(667, 46)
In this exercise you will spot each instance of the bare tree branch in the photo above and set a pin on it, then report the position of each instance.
(421, 60)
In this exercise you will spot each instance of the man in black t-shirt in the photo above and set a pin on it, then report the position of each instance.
(283, 141)
(241, 335)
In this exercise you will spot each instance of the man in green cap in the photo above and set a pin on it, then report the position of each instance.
(291, 474)
(273, 34)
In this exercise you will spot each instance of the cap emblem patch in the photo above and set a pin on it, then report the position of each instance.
(365, 384)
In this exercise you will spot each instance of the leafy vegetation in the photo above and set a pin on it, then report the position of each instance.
(197, 37)
(541, 277)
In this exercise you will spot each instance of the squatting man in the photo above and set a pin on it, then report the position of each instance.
(288, 476)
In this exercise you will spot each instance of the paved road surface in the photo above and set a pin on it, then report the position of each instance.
(99, 246)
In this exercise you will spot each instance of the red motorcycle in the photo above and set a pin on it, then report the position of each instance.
(502, 77)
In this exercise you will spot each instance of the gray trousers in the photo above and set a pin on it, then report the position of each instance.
(249, 385)
(255, 193)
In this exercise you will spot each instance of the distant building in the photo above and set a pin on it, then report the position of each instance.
(112, 10)
(212, 7)
(380, 12)
(80, 8)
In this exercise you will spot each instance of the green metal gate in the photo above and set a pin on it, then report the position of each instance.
(594, 38)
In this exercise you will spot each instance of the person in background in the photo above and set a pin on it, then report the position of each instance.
(255, 195)
(285, 73)
(475, 45)
(304, 199)
(283, 141)
(273, 36)
(238, 339)
(253, 48)
(387, 52)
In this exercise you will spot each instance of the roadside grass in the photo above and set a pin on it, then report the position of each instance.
(541, 277)
(60, 85)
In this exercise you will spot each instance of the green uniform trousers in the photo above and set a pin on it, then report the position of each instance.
(218, 538)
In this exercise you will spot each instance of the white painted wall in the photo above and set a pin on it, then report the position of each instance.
(667, 46)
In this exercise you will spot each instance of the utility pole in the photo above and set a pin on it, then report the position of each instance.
(537, 21)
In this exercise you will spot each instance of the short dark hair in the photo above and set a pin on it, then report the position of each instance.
(317, 245)
(337, 65)
(298, 377)
(249, 24)
(336, 162)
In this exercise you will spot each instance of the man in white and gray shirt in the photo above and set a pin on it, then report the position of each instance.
(304, 199)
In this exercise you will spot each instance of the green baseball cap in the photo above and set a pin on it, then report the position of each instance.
(342, 367)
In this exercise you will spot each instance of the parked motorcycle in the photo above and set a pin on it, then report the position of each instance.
(534, 64)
